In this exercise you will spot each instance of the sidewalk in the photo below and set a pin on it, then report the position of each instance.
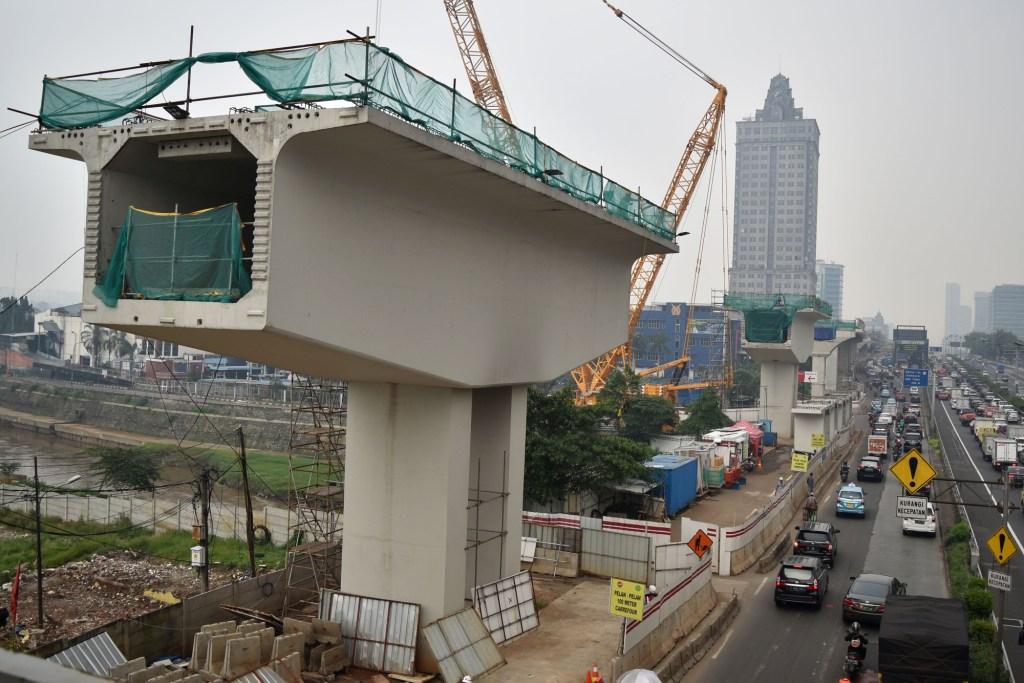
(728, 507)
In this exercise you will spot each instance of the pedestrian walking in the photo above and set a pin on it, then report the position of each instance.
(810, 483)
(782, 484)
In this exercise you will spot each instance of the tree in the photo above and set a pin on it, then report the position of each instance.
(746, 383)
(705, 415)
(94, 339)
(566, 453)
(645, 416)
(127, 468)
(17, 315)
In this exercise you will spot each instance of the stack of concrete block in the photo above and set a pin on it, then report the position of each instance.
(226, 651)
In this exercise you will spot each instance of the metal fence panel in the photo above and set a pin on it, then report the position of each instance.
(506, 606)
(462, 646)
(379, 635)
(563, 536)
(672, 563)
(608, 553)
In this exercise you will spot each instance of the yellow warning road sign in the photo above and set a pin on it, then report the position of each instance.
(913, 471)
(798, 462)
(1002, 546)
(817, 440)
(627, 599)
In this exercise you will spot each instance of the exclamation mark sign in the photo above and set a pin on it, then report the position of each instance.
(912, 464)
(1002, 542)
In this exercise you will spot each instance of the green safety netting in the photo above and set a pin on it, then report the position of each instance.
(365, 74)
(189, 257)
(767, 317)
(837, 324)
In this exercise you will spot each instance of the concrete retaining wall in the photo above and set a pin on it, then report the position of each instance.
(266, 426)
(226, 520)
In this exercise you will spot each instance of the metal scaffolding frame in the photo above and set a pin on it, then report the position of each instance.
(477, 536)
(316, 455)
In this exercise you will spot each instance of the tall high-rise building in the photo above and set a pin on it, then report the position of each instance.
(830, 285)
(983, 312)
(775, 227)
(952, 309)
(1008, 309)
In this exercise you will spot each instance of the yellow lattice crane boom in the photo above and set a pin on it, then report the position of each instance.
(590, 377)
(483, 79)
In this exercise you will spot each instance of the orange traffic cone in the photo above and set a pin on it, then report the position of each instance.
(593, 676)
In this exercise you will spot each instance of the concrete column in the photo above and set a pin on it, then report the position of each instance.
(498, 451)
(778, 391)
(832, 363)
(819, 364)
(845, 354)
(406, 479)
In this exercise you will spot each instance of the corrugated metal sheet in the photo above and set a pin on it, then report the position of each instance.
(624, 556)
(379, 635)
(462, 646)
(264, 674)
(97, 655)
(506, 606)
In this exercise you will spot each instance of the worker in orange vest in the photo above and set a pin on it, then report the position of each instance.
(593, 676)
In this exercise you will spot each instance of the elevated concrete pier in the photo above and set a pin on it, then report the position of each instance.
(438, 282)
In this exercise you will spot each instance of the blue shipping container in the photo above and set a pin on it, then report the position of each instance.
(677, 477)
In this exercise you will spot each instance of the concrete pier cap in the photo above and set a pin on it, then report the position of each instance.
(779, 365)
(438, 282)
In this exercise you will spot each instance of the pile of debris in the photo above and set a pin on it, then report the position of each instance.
(80, 596)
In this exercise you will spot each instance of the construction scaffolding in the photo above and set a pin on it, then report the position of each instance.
(316, 456)
(483, 516)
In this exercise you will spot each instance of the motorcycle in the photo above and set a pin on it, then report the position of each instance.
(854, 661)
(844, 472)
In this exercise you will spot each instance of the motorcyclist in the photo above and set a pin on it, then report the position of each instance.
(844, 470)
(857, 641)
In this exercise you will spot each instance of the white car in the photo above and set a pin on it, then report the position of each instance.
(928, 525)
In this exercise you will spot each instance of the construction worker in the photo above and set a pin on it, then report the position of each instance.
(593, 676)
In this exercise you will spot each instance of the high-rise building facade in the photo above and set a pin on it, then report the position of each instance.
(830, 286)
(1008, 309)
(775, 226)
(983, 312)
(952, 309)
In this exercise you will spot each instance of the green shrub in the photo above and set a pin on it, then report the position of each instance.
(981, 630)
(978, 602)
(985, 665)
(958, 533)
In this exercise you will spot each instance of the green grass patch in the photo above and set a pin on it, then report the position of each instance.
(986, 660)
(269, 471)
(169, 545)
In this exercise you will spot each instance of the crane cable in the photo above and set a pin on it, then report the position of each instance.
(663, 46)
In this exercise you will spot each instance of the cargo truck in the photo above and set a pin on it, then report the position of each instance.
(1004, 451)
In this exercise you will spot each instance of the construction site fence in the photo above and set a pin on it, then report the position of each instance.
(159, 513)
(364, 74)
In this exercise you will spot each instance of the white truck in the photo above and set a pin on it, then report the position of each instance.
(946, 382)
(957, 400)
(1005, 451)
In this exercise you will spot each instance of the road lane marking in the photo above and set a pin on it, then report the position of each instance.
(728, 634)
(1009, 526)
(761, 585)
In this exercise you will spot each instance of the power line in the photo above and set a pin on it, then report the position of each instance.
(45, 278)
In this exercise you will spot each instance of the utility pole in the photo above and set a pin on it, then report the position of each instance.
(39, 546)
(204, 527)
(249, 535)
(1001, 595)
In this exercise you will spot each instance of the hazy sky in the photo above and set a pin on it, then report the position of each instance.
(920, 174)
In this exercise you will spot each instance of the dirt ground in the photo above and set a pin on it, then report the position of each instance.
(82, 595)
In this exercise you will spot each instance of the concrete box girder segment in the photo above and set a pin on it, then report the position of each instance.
(437, 282)
(369, 233)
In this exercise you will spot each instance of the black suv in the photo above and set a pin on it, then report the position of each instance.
(802, 580)
(816, 539)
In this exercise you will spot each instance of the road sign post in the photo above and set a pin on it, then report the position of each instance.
(699, 543)
(999, 580)
(911, 507)
(817, 440)
(915, 377)
(798, 461)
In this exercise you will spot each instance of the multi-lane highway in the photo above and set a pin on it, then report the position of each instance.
(769, 644)
(964, 455)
